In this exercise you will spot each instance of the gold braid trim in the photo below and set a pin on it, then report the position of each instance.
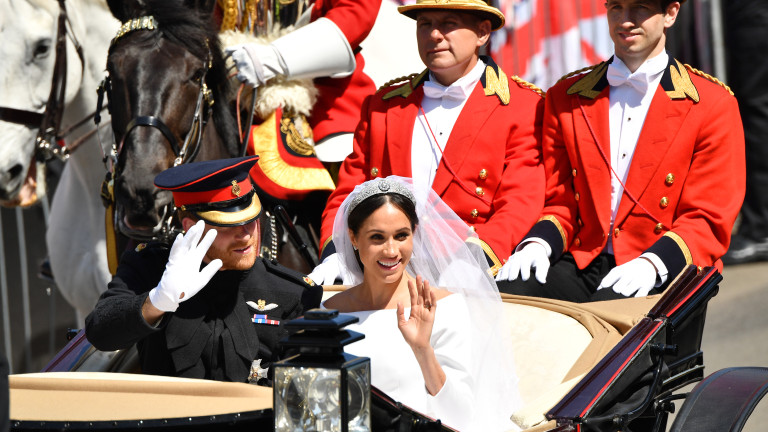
(530, 86)
(229, 20)
(559, 227)
(397, 81)
(576, 72)
(682, 245)
(709, 77)
(494, 269)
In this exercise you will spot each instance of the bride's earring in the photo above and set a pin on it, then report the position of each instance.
(354, 247)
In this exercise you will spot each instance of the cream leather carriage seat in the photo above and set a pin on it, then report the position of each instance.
(556, 343)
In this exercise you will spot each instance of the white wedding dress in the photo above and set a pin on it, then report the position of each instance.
(395, 371)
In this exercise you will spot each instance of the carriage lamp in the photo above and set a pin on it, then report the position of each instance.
(322, 388)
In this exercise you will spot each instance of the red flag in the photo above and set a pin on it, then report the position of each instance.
(545, 39)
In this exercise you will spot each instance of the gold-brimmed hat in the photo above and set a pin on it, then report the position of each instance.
(218, 191)
(489, 12)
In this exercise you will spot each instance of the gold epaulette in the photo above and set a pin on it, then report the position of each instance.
(709, 77)
(576, 72)
(530, 86)
(398, 80)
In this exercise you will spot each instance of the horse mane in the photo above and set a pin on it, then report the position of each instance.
(191, 28)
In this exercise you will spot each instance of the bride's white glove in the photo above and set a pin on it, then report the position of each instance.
(636, 277)
(532, 255)
(327, 271)
(183, 277)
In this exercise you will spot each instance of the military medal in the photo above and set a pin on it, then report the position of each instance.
(262, 319)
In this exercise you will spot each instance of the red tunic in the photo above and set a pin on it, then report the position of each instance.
(494, 151)
(337, 109)
(687, 172)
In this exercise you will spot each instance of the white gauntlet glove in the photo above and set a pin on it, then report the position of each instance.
(532, 255)
(183, 278)
(317, 49)
(636, 277)
(327, 271)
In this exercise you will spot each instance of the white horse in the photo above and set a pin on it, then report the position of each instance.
(75, 235)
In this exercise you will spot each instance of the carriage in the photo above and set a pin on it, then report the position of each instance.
(605, 366)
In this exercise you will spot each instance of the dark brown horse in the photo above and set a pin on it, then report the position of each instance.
(171, 103)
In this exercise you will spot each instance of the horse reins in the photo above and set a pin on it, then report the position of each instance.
(49, 135)
(184, 152)
(202, 108)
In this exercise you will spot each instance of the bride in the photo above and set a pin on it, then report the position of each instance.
(440, 350)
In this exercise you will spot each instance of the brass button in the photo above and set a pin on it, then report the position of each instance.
(474, 213)
(664, 202)
(479, 191)
(616, 232)
(483, 174)
(574, 172)
(669, 179)
(577, 241)
(374, 172)
(580, 222)
(657, 229)
(577, 196)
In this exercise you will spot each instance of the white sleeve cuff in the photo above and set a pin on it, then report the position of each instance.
(538, 240)
(661, 269)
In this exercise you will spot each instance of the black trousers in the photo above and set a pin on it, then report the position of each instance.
(746, 40)
(565, 281)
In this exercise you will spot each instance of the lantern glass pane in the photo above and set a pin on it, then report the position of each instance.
(359, 391)
(307, 399)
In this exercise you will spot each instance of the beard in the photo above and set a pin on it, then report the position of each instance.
(232, 257)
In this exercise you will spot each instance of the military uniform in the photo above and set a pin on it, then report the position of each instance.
(686, 175)
(214, 330)
(212, 335)
(495, 181)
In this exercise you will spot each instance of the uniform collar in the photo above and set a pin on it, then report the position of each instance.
(675, 81)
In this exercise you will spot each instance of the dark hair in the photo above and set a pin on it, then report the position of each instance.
(665, 3)
(359, 214)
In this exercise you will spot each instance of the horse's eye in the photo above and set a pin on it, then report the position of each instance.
(198, 75)
(41, 49)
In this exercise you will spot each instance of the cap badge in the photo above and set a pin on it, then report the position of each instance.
(235, 188)
(261, 305)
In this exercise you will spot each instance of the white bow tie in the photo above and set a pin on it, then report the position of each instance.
(437, 91)
(617, 77)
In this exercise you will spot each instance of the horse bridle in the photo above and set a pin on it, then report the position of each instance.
(202, 108)
(183, 154)
(49, 121)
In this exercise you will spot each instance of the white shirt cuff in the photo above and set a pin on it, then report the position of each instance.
(661, 269)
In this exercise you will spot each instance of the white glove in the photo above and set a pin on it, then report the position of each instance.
(327, 271)
(636, 277)
(256, 63)
(317, 49)
(183, 278)
(532, 255)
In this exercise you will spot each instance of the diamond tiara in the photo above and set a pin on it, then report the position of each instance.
(380, 186)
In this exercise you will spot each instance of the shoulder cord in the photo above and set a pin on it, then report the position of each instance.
(608, 163)
(448, 166)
